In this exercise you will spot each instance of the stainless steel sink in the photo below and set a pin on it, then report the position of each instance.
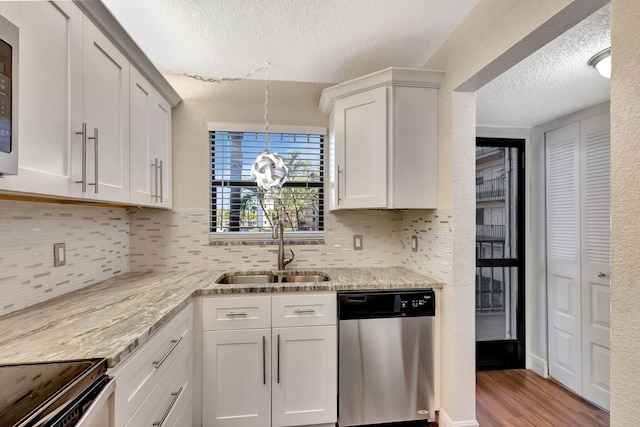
(305, 278)
(247, 279)
(256, 279)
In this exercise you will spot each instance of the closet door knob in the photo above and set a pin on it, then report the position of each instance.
(601, 274)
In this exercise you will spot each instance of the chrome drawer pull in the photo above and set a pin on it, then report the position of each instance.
(84, 157)
(175, 395)
(161, 182)
(240, 313)
(95, 159)
(161, 361)
(305, 311)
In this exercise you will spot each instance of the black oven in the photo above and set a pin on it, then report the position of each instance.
(9, 35)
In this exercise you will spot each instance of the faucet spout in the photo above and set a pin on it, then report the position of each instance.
(278, 233)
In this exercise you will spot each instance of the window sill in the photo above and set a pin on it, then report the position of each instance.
(264, 239)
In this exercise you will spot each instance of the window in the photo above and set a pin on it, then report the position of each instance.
(239, 206)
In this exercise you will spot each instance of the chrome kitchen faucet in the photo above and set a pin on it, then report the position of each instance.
(278, 232)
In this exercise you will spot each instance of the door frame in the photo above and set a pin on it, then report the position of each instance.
(511, 353)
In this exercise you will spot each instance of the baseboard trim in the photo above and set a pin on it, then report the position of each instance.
(445, 421)
(539, 366)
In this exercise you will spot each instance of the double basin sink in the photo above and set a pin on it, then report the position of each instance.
(254, 279)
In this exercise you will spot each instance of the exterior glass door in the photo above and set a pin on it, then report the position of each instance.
(499, 253)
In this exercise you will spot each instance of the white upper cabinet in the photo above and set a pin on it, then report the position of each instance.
(150, 132)
(105, 117)
(383, 140)
(50, 95)
(91, 126)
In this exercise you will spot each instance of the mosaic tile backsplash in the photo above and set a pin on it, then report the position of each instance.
(97, 248)
(434, 256)
(173, 240)
(103, 242)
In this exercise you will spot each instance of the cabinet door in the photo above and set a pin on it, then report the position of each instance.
(106, 108)
(162, 150)
(360, 169)
(50, 93)
(236, 384)
(143, 171)
(304, 376)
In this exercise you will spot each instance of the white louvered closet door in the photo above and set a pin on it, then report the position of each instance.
(596, 268)
(563, 255)
(578, 256)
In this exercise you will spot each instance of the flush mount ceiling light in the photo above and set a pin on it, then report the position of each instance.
(602, 62)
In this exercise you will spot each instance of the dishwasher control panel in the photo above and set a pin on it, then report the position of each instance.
(363, 305)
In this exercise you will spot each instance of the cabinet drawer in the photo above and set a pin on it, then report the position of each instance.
(236, 313)
(163, 404)
(304, 309)
(142, 371)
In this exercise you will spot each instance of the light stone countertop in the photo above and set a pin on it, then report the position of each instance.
(114, 317)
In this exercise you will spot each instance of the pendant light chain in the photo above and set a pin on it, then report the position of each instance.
(266, 105)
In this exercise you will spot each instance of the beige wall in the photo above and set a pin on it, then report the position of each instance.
(494, 36)
(290, 103)
(625, 209)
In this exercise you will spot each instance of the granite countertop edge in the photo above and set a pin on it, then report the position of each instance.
(113, 318)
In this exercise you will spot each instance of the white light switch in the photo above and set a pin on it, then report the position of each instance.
(414, 243)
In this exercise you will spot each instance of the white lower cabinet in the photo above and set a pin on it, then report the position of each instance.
(155, 383)
(263, 376)
(304, 387)
(236, 385)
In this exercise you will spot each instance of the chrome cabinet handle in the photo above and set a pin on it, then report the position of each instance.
(83, 181)
(95, 159)
(238, 314)
(338, 184)
(175, 395)
(158, 363)
(305, 311)
(161, 179)
(278, 359)
(154, 165)
(264, 360)
(601, 274)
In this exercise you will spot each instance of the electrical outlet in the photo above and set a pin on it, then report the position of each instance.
(414, 243)
(59, 254)
(357, 242)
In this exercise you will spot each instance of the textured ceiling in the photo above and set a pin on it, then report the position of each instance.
(304, 40)
(552, 82)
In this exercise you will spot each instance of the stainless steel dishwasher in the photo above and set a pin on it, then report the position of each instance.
(386, 363)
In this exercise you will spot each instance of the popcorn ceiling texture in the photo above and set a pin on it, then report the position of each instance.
(97, 248)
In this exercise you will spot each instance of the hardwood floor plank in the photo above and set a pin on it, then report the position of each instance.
(521, 398)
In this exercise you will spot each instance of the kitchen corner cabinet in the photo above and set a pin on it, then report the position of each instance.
(150, 140)
(383, 140)
(269, 361)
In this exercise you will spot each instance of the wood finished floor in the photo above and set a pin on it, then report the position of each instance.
(521, 398)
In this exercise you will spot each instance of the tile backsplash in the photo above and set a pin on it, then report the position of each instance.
(102, 242)
(433, 229)
(97, 247)
(172, 240)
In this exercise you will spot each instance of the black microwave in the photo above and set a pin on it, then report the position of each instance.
(9, 35)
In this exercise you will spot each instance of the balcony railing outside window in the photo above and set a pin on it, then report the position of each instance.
(492, 189)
